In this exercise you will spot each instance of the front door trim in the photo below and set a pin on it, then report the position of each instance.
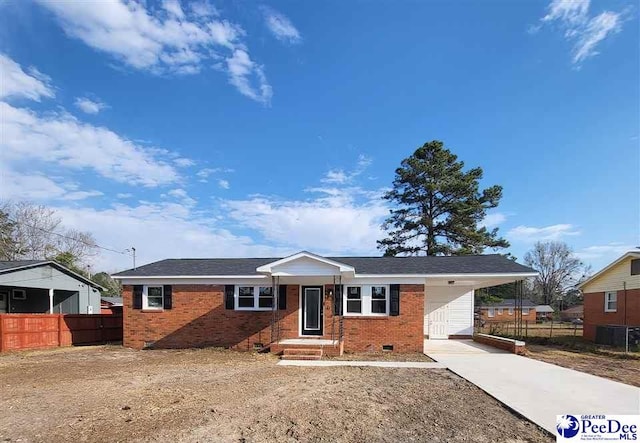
(302, 312)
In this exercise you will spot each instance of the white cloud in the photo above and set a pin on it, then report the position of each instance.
(167, 40)
(281, 27)
(224, 184)
(184, 162)
(61, 139)
(583, 31)
(33, 186)
(492, 220)
(533, 234)
(338, 221)
(124, 195)
(203, 9)
(183, 196)
(15, 83)
(339, 176)
(611, 251)
(159, 231)
(90, 106)
(244, 74)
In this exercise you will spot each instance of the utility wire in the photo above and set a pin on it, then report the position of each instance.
(93, 245)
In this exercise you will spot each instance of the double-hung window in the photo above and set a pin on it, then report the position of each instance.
(153, 297)
(510, 311)
(254, 298)
(525, 311)
(366, 300)
(354, 300)
(500, 311)
(378, 299)
(610, 301)
(491, 312)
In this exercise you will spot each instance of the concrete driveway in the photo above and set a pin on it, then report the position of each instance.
(537, 390)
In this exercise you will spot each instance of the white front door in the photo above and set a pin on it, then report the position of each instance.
(4, 299)
(438, 320)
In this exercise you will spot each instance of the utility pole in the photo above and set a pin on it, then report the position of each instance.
(133, 250)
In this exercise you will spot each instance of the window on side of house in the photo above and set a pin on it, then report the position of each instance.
(510, 311)
(19, 294)
(610, 301)
(354, 300)
(635, 266)
(378, 299)
(500, 311)
(246, 300)
(491, 312)
(153, 297)
(265, 297)
(525, 311)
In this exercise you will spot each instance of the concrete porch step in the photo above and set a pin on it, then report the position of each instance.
(300, 357)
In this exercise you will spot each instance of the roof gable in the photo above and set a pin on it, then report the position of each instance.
(8, 267)
(613, 267)
(305, 263)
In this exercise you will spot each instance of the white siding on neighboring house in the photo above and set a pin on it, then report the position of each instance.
(459, 302)
(613, 279)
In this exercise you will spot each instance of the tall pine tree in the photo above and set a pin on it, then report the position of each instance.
(438, 207)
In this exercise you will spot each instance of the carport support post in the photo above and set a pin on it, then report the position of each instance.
(51, 301)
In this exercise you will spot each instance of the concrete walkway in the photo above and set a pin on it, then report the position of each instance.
(537, 390)
(377, 364)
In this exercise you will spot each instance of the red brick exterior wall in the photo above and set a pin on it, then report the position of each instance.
(594, 311)
(198, 318)
(405, 331)
(504, 317)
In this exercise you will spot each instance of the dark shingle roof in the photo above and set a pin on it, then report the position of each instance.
(466, 264)
(509, 303)
(8, 265)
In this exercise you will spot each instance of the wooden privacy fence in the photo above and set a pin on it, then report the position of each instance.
(37, 331)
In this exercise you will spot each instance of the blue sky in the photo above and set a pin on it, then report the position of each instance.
(201, 129)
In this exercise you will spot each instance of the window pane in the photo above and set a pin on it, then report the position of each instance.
(265, 302)
(245, 302)
(378, 306)
(353, 293)
(154, 302)
(379, 292)
(354, 306)
(245, 291)
(312, 301)
(154, 291)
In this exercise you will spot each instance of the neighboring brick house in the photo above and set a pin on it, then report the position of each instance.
(572, 313)
(350, 303)
(505, 311)
(612, 295)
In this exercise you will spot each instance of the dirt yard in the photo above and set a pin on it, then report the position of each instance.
(116, 394)
(625, 370)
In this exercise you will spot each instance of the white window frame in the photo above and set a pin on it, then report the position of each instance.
(256, 298)
(365, 300)
(610, 297)
(491, 312)
(145, 299)
(510, 311)
(346, 297)
(526, 311)
(500, 311)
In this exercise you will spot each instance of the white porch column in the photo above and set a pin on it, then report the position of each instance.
(50, 301)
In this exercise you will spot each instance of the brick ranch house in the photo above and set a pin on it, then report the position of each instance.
(612, 295)
(340, 303)
(505, 311)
